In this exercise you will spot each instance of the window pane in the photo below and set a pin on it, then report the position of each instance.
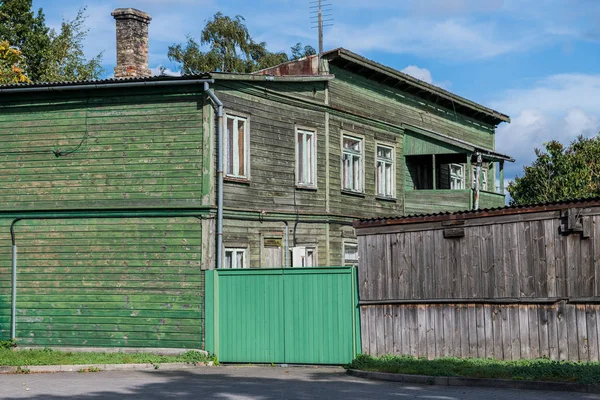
(388, 180)
(347, 171)
(309, 159)
(241, 147)
(228, 259)
(350, 253)
(310, 262)
(356, 173)
(300, 161)
(229, 147)
(240, 259)
(351, 144)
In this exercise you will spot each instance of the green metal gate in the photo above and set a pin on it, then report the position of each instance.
(302, 316)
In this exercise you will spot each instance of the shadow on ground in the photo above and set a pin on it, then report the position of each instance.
(191, 385)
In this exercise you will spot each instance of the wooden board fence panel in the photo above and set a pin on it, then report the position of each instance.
(464, 331)
(514, 286)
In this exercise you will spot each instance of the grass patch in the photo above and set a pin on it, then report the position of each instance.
(48, 356)
(535, 370)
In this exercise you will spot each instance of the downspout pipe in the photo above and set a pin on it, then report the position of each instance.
(218, 105)
(477, 177)
(13, 304)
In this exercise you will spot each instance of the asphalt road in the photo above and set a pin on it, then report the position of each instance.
(237, 383)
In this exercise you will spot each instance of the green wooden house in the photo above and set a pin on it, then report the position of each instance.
(109, 200)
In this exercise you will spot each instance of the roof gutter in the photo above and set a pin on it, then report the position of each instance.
(87, 86)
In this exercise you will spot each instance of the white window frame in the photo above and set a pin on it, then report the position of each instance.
(456, 178)
(301, 253)
(234, 252)
(483, 178)
(308, 158)
(389, 189)
(346, 245)
(357, 184)
(235, 140)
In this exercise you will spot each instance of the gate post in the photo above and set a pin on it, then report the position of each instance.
(356, 310)
(211, 312)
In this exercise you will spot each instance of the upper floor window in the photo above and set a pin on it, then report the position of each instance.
(483, 181)
(352, 163)
(306, 157)
(237, 154)
(385, 171)
(457, 176)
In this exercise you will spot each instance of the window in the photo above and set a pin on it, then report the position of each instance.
(483, 178)
(235, 258)
(306, 157)
(385, 171)
(304, 257)
(352, 164)
(457, 176)
(350, 254)
(236, 147)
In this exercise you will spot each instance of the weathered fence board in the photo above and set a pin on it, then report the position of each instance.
(515, 285)
(513, 334)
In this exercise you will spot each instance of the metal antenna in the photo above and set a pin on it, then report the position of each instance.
(319, 21)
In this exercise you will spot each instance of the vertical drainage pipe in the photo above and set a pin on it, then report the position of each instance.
(13, 304)
(477, 178)
(13, 308)
(220, 155)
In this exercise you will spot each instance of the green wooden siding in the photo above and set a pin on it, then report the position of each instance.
(491, 200)
(415, 144)
(365, 97)
(129, 282)
(125, 149)
(433, 201)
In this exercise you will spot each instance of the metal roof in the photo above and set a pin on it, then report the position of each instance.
(154, 79)
(420, 88)
(470, 214)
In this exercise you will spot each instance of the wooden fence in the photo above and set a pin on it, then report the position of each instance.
(507, 285)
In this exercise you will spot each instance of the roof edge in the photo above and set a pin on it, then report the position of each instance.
(356, 58)
(474, 214)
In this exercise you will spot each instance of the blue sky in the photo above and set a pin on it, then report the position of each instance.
(536, 60)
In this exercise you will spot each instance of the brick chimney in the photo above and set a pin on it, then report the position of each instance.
(132, 43)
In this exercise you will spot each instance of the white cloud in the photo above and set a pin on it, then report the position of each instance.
(424, 75)
(559, 107)
(158, 70)
(420, 73)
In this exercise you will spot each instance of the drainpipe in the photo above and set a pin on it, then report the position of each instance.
(218, 105)
(13, 306)
(477, 176)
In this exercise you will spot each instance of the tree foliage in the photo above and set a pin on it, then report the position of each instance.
(560, 173)
(231, 48)
(65, 59)
(27, 32)
(300, 52)
(47, 55)
(11, 60)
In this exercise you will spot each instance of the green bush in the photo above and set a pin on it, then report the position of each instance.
(539, 369)
(7, 344)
